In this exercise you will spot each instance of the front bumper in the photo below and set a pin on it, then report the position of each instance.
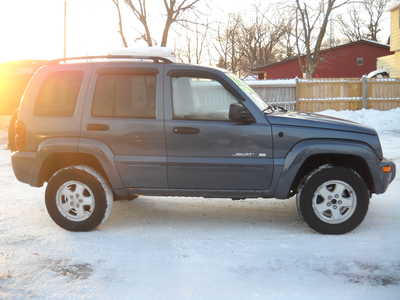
(384, 178)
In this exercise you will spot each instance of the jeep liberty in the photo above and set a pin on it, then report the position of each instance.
(99, 129)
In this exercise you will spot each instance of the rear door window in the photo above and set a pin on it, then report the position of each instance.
(58, 94)
(125, 96)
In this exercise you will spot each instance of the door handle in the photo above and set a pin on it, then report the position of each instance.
(97, 127)
(186, 130)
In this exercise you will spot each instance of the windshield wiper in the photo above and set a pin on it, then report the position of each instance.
(274, 108)
(269, 107)
(280, 108)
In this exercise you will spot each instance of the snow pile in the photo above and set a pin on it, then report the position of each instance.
(332, 99)
(386, 123)
(382, 121)
(272, 82)
(330, 80)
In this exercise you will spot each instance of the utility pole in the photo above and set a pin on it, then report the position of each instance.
(331, 33)
(65, 28)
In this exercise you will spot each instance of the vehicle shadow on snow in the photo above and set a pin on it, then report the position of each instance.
(195, 212)
(367, 273)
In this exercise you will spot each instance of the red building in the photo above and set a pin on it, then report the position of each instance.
(349, 60)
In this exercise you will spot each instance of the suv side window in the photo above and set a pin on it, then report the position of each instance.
(125, 96)
(58, 94)
(196, 98)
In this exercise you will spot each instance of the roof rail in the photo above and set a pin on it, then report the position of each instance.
(156, 59)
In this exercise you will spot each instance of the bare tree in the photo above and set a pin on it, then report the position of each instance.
(260, 39)
(311, 25)
(364, 20)
(120, 25)
(227, 44)
(139, 10)
(353, 29)
(287, 43)
(375, 10)
(242, 46)
(175, 12)
(196, 41)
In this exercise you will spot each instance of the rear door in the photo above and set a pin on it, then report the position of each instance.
(205, 149)
(125, 113)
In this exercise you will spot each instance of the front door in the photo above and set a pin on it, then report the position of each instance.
(205, 150)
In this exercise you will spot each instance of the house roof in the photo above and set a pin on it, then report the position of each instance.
(394, 5)
(363, 41)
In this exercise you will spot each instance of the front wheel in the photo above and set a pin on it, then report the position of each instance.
(333, 200)
(78, 198)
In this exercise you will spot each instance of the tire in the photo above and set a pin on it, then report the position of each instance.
(333, 200)
(78, 198)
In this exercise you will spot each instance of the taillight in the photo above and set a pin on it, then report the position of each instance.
(20, 135)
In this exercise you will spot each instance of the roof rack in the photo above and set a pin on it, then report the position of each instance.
(156, 59)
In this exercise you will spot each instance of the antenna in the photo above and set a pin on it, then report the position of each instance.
(65, 28)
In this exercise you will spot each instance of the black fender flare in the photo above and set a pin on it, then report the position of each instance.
(296, 157)
(99, 150)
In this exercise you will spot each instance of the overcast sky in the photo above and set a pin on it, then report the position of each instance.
(33, 29)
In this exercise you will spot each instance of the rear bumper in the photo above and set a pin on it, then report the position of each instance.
(384, 179)
(25, 167)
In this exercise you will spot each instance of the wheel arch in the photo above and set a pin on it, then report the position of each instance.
(59, 160)
(55, 154)
(309, 155)
(315, 161)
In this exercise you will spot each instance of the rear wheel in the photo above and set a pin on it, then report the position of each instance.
(333, 200)
(78, 198)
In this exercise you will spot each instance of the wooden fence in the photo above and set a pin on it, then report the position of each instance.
(339, 94)
(352, 94)
(276, 92)
(383, 94)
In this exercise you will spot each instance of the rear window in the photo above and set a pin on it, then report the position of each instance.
(58, 94)
(125, 96)
(11, 89)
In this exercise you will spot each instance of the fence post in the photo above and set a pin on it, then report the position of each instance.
(364, 91)
(296, 93)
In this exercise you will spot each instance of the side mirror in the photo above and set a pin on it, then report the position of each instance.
(238, 113)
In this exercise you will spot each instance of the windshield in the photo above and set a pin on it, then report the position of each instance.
(252, 94)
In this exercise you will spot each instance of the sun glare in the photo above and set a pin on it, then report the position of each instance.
(30, 29)
(35, 29)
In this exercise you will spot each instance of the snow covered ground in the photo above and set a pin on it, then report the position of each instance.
(194, 248)
(4, 120)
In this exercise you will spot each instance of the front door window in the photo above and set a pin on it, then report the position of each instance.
(200, 99)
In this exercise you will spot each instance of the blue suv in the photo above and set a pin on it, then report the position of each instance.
(99, 129)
